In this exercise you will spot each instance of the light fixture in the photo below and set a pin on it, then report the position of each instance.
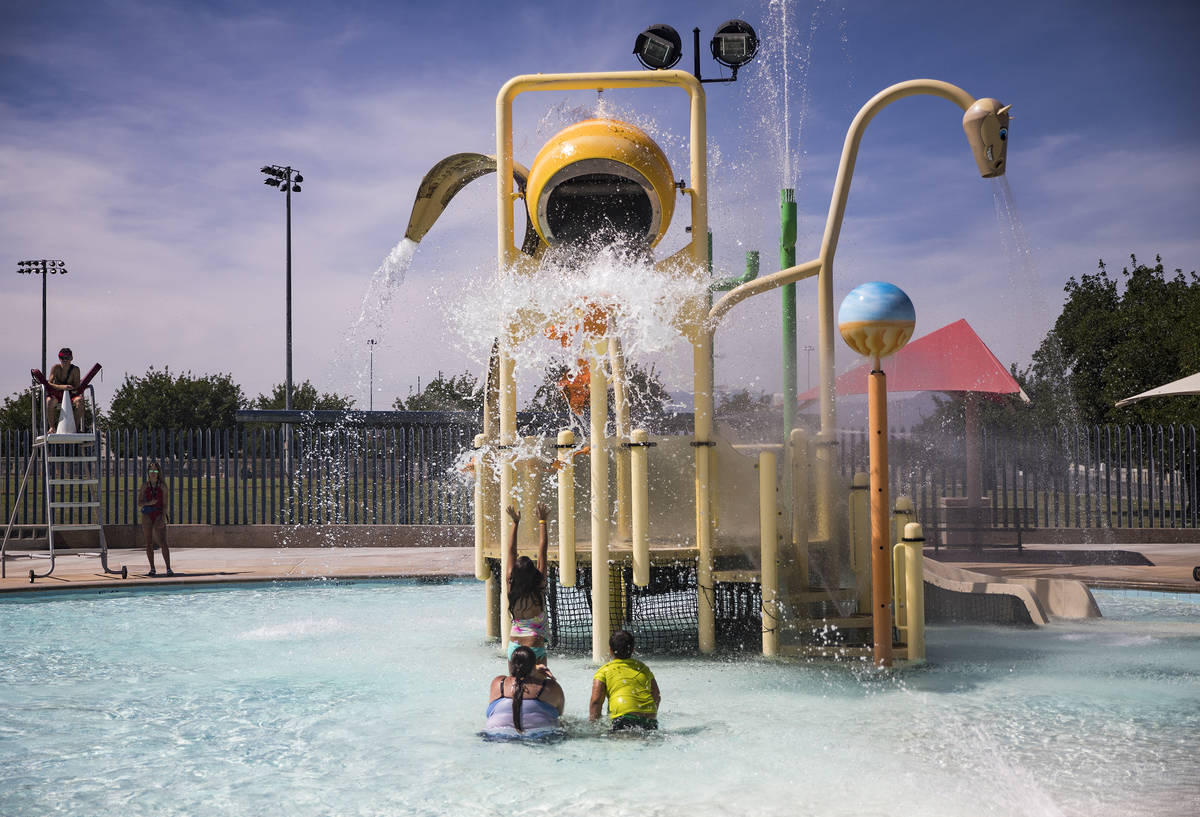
(658, 47)
(734, 44)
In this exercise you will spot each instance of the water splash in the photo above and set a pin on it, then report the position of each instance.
(381, 290)
(642, 301)
(788, 62)
(1024, 276)
(349, 369)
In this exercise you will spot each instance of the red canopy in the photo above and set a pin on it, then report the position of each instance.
(952, 358)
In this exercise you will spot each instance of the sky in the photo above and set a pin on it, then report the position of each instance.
(131, 134)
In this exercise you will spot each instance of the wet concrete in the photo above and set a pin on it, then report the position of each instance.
(1163, 567)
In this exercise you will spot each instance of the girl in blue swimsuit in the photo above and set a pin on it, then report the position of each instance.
(527, 700)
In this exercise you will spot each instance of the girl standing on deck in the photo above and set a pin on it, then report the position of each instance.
(152, 500)
(527, 590)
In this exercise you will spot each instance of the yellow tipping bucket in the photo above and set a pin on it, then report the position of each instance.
(601, 179)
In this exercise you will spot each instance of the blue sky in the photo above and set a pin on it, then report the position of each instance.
(131, 134)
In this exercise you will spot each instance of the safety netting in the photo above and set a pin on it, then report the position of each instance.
(662, 616)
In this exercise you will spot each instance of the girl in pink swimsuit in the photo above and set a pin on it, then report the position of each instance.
(527, 590)
(152, 502)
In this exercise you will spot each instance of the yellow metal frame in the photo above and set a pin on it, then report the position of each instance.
(694, 254)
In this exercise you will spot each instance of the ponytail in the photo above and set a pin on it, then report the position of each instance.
(520, 665)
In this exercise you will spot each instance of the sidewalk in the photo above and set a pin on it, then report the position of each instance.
(214, 565)
(1161, 567)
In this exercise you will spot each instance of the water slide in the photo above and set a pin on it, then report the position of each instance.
(954, 594)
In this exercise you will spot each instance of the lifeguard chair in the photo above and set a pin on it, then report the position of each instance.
(67, 461)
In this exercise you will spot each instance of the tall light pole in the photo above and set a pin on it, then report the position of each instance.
(371, 378)
(44, 268)
(286, 179)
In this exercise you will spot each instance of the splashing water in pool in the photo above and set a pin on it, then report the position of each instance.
(237, 701)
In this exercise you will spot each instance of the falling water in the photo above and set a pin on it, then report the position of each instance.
(642, 304)
(1025, 277)
(782, 59)
(349, 370)
(641, 300)
(320, 478)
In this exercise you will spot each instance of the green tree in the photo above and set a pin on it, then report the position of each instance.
(15, 412)
(459, 393)
(548, 397)
(162, 400)
(1113, 341)
(1109, 342)
(304, 398)
(745, 411)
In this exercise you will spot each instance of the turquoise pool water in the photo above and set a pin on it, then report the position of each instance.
(365, 699)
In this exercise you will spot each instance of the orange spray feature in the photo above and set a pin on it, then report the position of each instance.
(576, 388)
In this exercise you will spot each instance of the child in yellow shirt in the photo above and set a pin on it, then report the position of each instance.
(629, 685)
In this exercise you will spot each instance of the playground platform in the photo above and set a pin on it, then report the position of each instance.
(1154, 567)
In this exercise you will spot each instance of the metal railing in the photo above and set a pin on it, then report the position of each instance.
(402, 474)
(1086, 477)
(410, 472)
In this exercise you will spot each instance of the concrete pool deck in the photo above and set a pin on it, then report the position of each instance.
(1161, 567)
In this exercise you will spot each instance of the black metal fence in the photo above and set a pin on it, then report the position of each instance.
(403, 474)
(412, 472)
(1090, 477)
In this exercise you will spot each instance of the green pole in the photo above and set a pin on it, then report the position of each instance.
(787, 258)
(727, 284)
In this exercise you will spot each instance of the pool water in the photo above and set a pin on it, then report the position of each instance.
(367, 699)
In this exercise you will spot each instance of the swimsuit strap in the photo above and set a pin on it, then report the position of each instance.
(535, 697)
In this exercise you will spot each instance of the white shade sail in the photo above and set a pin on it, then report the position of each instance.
(1184, 385)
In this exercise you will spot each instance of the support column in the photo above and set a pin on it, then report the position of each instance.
(881, 561)
(620, 454)
(798, 459)
(508, 439)
(639, 454)
(703, 396)
(601, 627)
(768, 525)
(566, 509)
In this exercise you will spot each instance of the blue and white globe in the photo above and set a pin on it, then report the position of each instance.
(876, 319)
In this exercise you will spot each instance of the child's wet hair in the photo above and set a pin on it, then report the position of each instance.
(621, 643)
(525, 582)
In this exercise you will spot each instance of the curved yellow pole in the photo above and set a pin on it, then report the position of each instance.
(833, 228)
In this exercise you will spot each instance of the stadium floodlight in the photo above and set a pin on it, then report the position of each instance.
(43, 267)
(734, 44)
(658, 47)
